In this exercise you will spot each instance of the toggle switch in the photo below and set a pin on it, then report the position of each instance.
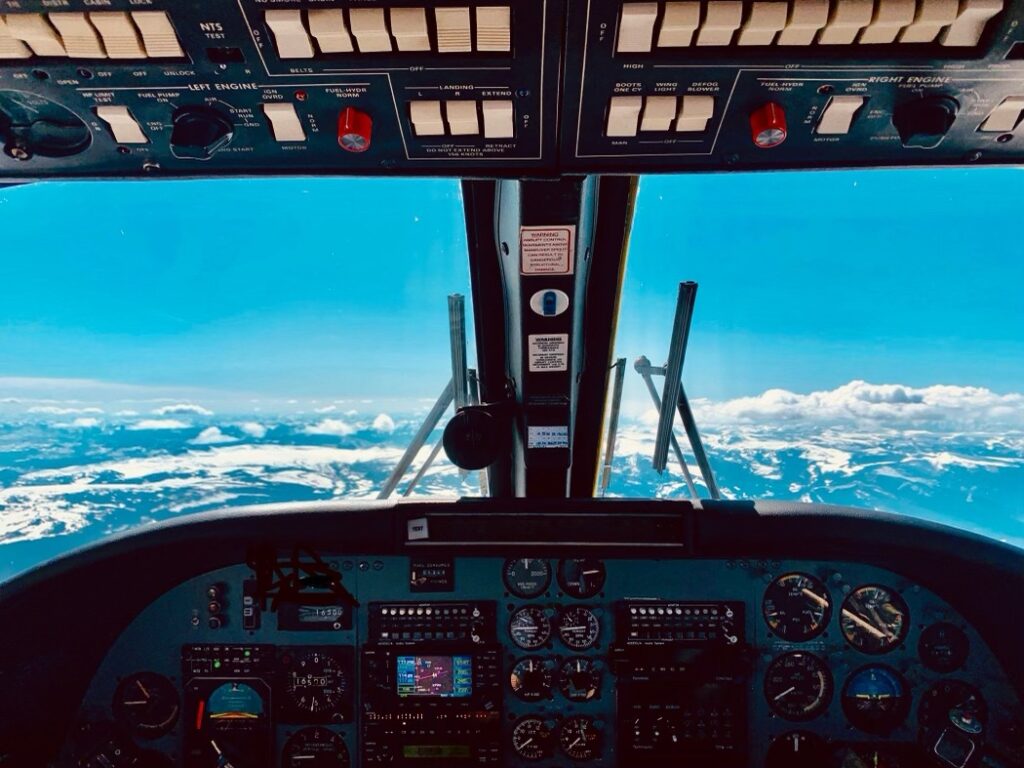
(122, 125)
(120, 37)
(721, 20)
(499, 122)
(284, 121)
(806, 19)
(636, 27)
(81, 40)
(494, 28)
(891, 16)
(409, 26)
(370, 30)
(694, 113)
(659, 112)
(158, 35)
(765, 21)
(931, 17)
(328, 26)
(11, 48)
(678, 24)
(453, 30)
(837, 117)
(462, 119)
(426, 118)
(623, 115)
(36, 32)
(970, 23)
(1005, 117)
(290, 34)
(848, 18)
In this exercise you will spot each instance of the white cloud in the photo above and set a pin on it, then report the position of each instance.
(939, 407)
(181, 409)
(253, 429)
(325, 409)
(159, 424)
(54, 410)
(384, 423)
(335, 427)
(85, 422)
(212, 436)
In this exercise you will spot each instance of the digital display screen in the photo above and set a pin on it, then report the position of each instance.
(317, 614)
(437, 751)
(435, 676)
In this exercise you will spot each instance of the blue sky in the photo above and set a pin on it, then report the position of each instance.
(337, 287)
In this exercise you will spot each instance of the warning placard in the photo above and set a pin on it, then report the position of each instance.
(549, 352)
(547, 436)
(547, 250)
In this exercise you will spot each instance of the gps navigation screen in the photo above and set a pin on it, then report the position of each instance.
(442, 676)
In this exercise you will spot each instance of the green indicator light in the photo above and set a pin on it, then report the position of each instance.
(216, 664)
(248, 653)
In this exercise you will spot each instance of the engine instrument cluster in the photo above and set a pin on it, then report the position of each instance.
(551, 662)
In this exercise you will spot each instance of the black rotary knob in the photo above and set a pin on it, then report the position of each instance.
(924, 122)
(199, 132)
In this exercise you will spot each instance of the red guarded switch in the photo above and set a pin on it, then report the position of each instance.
(355, 128)
(768, 125)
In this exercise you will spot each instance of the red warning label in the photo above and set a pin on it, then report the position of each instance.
(547, 250)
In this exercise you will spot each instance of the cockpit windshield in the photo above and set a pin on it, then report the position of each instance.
(174, 347)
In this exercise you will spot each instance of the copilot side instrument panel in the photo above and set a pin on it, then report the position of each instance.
(151, 88)
(539, 661)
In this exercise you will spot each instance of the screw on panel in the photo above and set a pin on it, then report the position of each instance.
(18, 152)
(1004, 138)
(151, 166)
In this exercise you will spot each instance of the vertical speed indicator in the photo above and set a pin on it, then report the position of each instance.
(527, 577)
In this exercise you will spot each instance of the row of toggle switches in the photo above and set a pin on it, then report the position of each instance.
(376, 30)
(688, 114)
(461, 118)
(94, 35)
(646, 26)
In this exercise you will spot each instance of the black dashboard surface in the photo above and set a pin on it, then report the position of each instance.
(514, 633)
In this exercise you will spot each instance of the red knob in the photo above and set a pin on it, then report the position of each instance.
(355, 128)
(768, 125)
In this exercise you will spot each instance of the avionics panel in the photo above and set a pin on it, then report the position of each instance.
(528, 660)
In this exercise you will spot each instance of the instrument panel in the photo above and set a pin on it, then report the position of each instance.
(145, 88)
(318, 660)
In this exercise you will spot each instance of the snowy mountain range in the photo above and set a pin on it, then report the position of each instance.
(76, 468)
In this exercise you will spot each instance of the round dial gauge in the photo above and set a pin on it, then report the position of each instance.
(581, 577)
(147, 704)
(866, 757)
(527, 577)
(315, 748)
(579, 738)
(874, 619)
(580, 679)
(943, 647)
(798, 686)
(952, 702)
(531, 678)
(531, 738)
(797, 607)
(529, 627)
(796, 749)
(315, 684)
(875, 699)
(579, 628)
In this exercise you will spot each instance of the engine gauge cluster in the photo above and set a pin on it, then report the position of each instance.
(797, 607)
(874, 619)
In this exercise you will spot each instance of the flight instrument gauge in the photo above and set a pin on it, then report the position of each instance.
(798, 686)
(530, 627)
(952, 702)
(527, 577)
(531, 738)
(874, 619)
(797, 607)
(579, 628)
(316, 685)
(875, 699)
(943, 647)
(579, 738)
(316, 747)
(581, 577)
(580, 679)
(868, 756)
(531, 678)
(147, 704)
(796, 749)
